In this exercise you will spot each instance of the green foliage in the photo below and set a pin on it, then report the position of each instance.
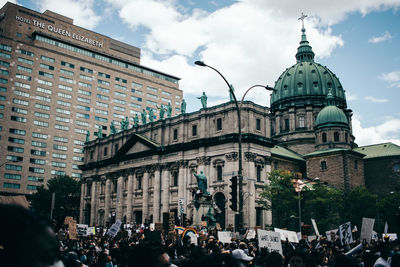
(389, 211)
(67, 199)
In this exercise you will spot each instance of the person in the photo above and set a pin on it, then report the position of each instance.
(144, 116)
(203, 100)
(183, 106)
(202, 182)
(241, 255)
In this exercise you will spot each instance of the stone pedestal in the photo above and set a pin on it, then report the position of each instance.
(201, 209)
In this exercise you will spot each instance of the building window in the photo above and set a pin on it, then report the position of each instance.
(219, 173)
(356, 164)
(301, 122)
(139, 182)
(336, 136)
(105, 151)
(194, 130)
(275, 165)
(258, 124)
(323, 137)
(175, 178)
(219, 124)
(116, 148)
(287, 125)
(175, 134)
(258, 171)
(323, 165)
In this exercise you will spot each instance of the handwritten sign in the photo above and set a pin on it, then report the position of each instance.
(270, 240)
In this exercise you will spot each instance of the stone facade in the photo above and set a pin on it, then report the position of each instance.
(146, 171)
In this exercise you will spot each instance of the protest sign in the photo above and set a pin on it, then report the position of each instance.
(152, 227)
(114, 229)
(270, 240)
(81, 229)
(68, 219)
(331, 234)
(311, 238)
(345, 233)
(374, 236)
(90, 231)
(366, 229)
(225, 236)
(392, 237)
(285, 234)
(314, 224)
(251, 234)
(385, 230)
(73, 235)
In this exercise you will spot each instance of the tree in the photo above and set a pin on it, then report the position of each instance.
(67, 199)
(389, 211)
(279, 197)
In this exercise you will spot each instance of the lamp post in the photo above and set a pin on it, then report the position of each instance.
(298, 187)
(238, 110)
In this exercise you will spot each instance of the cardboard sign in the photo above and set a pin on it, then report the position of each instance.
(314, 224)
(366, 229)
(285, 234)
(225, 236)
(68, 219)
(270, 240)
(114, 229)
(82, 229)
(72, 230)
(345, 234)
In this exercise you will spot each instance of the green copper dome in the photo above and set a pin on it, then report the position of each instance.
(306, 82)
(331, 115)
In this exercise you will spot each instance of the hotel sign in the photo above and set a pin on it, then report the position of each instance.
(60, 31)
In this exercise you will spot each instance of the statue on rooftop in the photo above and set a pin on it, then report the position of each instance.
(203, 100)
(143, 116)
(183, 106)
(113, 130)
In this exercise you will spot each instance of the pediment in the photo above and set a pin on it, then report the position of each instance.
(137, 143)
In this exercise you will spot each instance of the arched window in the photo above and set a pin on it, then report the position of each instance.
(323, 137)
(336, 136)
(301, 122)
(258, 173)
(175, 177)
(219, 173)
(139, 182)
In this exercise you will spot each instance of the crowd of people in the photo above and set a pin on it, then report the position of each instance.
(26, 241)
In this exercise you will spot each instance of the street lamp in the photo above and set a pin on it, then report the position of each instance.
(238, 110)
(298, 187)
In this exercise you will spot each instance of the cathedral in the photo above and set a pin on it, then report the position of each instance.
(147, 173)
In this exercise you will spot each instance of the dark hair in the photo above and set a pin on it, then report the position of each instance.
(22, 233)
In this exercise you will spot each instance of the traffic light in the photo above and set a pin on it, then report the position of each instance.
(233, 193)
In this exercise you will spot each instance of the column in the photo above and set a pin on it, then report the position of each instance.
(120, 197)
(251, 200)
(107, 200)
(145, 204)
(93, 204)
(181, 185)
(267, 214)
(165, 177)
(156, 195)
(82, 203)
(129, 199)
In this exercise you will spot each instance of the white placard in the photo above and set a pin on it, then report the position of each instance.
(345, 233)
(91, 231)
(385, 230)
(152, 227)
(114, 229)
(366, 229)
(311, 238)
(270, 240)
(81, 229)
(285, 234)
(251, 234)
(329, 234)
(314, 224)
(225, 236)
(392, 237)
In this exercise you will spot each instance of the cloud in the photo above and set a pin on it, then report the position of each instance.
(382, 38)
(382, 133)
(393, 78)
(82, 11)
(351, 97)
(375, 100)
(3, 2)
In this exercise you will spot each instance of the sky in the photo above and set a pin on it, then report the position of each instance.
(253, 41)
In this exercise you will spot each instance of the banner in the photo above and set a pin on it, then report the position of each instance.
(366, 229)
(290, 235)
(225, 237)
(314, 224)
(114, 229)
(270, 240)
(345, 234)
